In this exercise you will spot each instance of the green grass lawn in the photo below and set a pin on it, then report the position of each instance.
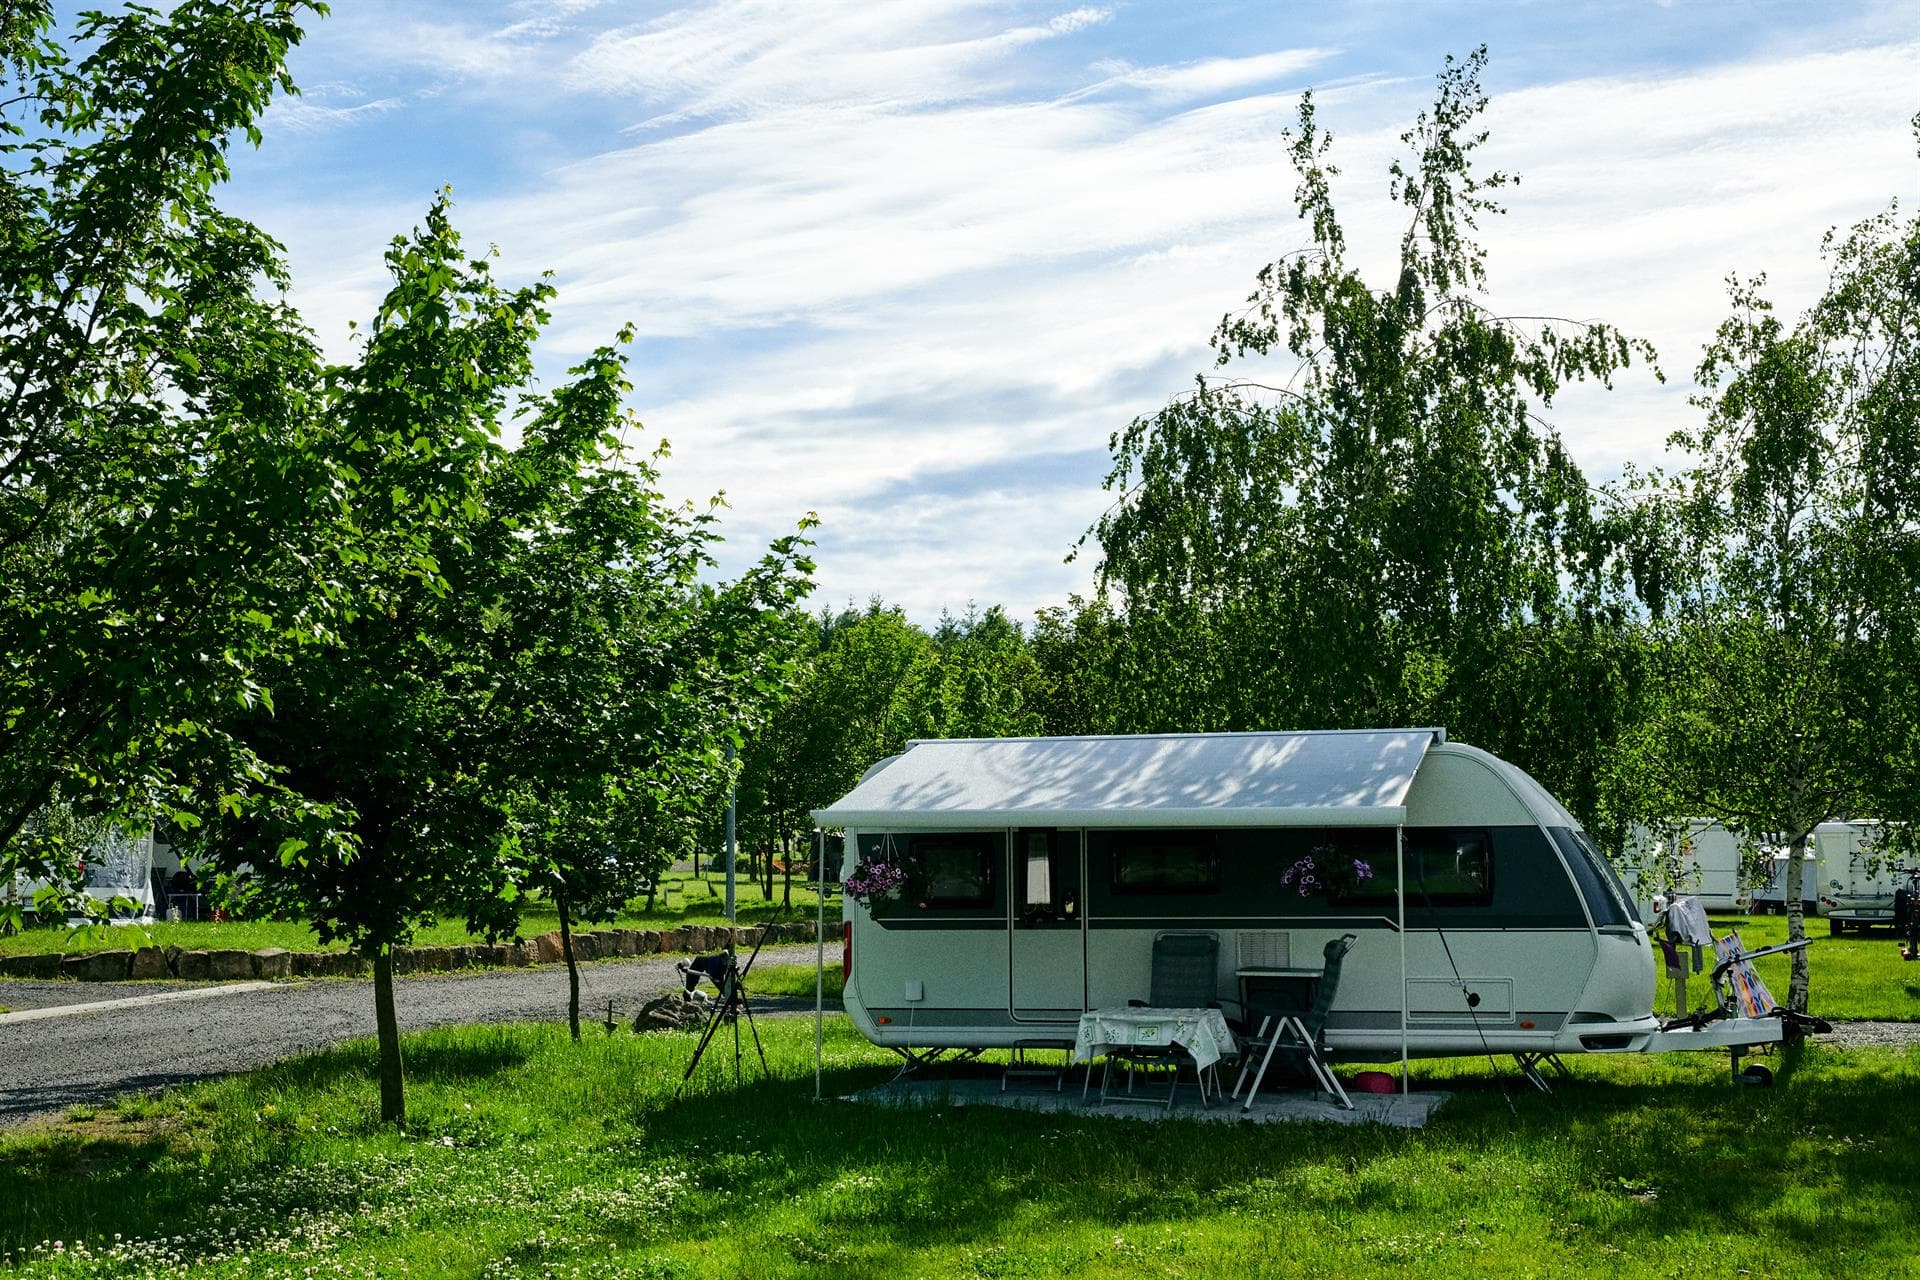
(533, 1157)
(685, 900)
(796, 979)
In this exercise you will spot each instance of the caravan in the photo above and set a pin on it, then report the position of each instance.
(116, 872)
(1035, 874)
(1708, 860)
(1857, 876)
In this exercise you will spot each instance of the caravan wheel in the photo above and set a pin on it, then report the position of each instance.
(1757, 1076)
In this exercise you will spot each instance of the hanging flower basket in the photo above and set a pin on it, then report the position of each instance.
(1327, 872)
(874, 883)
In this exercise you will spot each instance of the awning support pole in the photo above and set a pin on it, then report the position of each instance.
(1400, 888)
(819, 956)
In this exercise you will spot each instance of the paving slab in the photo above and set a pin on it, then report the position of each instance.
(1401, 1111)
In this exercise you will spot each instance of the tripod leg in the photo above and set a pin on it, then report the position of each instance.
(699, 1051)
(754, 1027)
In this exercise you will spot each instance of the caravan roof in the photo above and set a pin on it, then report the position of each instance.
(1331, 778)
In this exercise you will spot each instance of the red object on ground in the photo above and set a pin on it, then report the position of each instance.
(1374, 1082)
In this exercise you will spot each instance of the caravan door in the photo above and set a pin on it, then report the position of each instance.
(1049, 950)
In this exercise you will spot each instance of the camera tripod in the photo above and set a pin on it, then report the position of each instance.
(732, 1002)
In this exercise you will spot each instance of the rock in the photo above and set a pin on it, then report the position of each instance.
(102, 966)
(195, 965)
(150, 962)
(627, 942)
(173, 959)
(649, 942)
(669, 940)
(670, 1013)
(309, 964)
(41, 966)
(341, 964)
(519, 954)
(229, 965)
(546, 948)
(273, 962)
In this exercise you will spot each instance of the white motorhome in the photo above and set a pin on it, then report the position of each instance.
(1044, 868)
(1709, 859)
(1770, 898)
(1857, 878)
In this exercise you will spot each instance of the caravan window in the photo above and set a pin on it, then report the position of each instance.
(1049, 873)
(1450, 866)
(1446, 867)
(957, 870)
(1166, 862)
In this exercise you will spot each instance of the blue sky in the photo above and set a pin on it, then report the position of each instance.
(909, 264)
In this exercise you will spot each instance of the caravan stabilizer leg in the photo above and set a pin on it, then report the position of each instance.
(1530, 1068)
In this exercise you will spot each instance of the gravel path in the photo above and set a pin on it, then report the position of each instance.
(18, 994)
(50, 1064)
(1872, 1035)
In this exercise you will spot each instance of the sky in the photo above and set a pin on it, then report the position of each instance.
(908, 265)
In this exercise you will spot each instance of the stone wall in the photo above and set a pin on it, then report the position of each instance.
(275, 962)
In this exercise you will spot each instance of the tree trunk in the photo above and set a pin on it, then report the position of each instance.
(573, 967)
(786, 870)
(1797, 985)
(653, 886)
(393, 1078)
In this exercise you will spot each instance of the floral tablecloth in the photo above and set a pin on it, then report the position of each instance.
(1203, 1033)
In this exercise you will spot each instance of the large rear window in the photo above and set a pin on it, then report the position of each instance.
(1166, 862)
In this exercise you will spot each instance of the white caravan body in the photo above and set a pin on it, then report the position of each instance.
(1857, 881)
(1047, 866)
(119, 867)
(1710, 857)
(1770, 898)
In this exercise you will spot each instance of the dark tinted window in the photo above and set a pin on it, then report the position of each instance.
(1166, 862)
(1446, 867)
(956, 871)
(1605, 897)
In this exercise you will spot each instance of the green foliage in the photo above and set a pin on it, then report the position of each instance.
(168, 517)
(1366, 521)
(1782, 569)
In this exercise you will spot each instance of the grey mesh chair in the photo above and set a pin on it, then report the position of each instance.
(1300, 1036)
(1186, 975)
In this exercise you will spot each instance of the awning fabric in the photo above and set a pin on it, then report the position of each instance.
(1335, 778)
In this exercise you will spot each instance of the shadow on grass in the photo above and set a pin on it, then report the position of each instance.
(1820, 1162)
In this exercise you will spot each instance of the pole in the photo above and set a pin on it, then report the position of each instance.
(1400, 885)
(819, 957)
(733, 853)
(733, 857)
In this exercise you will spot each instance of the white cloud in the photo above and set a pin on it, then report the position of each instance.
(880, 252)
(743, 56)
(298, 115)
(1211, 77)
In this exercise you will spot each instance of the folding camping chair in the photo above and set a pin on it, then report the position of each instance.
(1741, 992)
(1186, 975)
(1300, 1035)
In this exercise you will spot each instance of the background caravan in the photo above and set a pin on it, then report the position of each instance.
(1708, 862)
(1036, 873)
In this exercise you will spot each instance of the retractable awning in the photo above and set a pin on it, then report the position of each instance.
(1332, 778)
